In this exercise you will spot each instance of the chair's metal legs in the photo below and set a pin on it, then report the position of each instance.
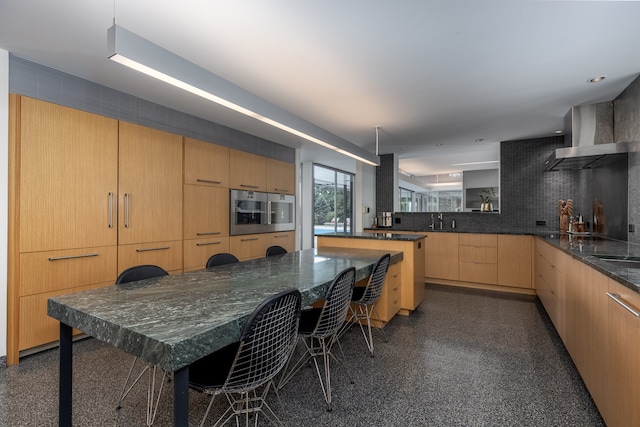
(364, 314)
(314, 351)
(152, 400)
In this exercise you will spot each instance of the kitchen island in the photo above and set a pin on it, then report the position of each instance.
(411, 269)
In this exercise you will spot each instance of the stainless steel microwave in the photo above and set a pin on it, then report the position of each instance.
(257, 212)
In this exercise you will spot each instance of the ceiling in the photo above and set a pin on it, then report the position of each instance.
(445, 81)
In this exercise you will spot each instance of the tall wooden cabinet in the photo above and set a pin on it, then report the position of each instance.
(150, 198)
(65, 227)
(206, 202)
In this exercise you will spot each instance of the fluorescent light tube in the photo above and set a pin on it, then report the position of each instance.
(139, 54)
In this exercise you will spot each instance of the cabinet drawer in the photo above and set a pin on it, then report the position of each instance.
(469, 239)
(479, 272)
(167, 255)
(198, 251)
(249, 246)
(37, 328)
(478, 254)
(286, 239)
(54, 270)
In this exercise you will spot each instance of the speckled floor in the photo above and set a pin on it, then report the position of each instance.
(464, 358)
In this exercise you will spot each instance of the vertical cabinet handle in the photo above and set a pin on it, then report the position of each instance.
(126, 210)
(110, 209)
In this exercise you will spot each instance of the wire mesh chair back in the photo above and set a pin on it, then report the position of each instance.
(266, 342)
(221, 259)
(376, 281)
(336, 304)
(140, 272)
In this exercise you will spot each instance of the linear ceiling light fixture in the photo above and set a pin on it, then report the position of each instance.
(141, 55)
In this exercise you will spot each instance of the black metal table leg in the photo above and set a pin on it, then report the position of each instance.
(181, 397)
(66, 376)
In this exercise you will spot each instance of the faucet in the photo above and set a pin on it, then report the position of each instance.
(440, 220)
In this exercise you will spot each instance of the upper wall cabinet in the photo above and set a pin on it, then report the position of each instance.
(247, 171)
(68, 162)
(280, 177)
(150, 185)
(205, 163)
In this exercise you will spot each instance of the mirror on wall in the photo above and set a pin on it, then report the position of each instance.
(464, 191)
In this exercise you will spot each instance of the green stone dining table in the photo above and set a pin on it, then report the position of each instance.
(175, 320)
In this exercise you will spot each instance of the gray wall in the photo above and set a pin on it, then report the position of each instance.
(37, 81)
(627, 128)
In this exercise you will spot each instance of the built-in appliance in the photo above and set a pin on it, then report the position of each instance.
(258, 212)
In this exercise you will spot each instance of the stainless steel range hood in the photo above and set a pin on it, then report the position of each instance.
(589, 139)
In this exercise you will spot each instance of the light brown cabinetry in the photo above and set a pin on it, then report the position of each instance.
(150, 185)
(63, 220)
(548, 280)
(280, 177)
(247, 171)
(623, 369)
(515, 261)
(600, 331)
(286, 239)
(389, 303)
(441, 256)
(248, 246)
(198, 251)
(205, 163)
(478, 258)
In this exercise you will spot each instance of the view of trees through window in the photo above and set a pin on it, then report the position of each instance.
(332, 200)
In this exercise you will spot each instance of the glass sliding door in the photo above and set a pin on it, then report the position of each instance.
(332, 200)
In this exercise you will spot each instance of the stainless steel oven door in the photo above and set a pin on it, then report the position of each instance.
(282, 212)
(248, 212)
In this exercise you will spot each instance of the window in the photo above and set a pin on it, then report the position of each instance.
(332, 200)
(406, 200)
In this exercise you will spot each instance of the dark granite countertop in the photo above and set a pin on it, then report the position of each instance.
(378, 235)
(174, 320)
(591, 251)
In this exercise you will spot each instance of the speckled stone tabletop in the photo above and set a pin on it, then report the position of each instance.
(174, 320)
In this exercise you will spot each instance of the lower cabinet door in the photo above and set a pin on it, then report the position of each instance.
(36, 327)
(198, 251)
(167, 255)
(248, 246)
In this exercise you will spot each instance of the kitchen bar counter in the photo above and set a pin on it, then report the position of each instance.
(411, 267)
(377, 234)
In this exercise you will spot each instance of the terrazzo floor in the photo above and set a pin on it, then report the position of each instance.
(463, 358)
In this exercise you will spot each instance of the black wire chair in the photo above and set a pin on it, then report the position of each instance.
(221, 259)
(265, 345)
(319, 328)
(133, 274)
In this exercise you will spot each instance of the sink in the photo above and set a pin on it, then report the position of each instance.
(620, 260)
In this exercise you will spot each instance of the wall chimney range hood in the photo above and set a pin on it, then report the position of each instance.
(589, 139)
